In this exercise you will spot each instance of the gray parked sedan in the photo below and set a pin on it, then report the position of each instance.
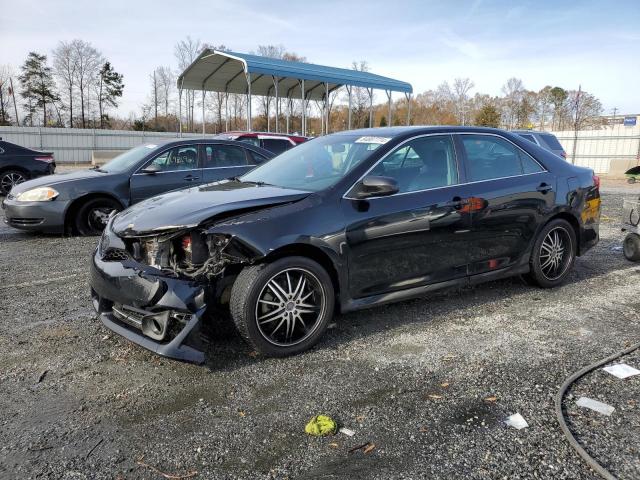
(81, 201)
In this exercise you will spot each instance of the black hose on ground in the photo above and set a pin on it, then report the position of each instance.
(560, 415)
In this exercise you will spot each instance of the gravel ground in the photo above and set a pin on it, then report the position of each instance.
(417, 379)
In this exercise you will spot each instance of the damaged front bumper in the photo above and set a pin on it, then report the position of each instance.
(158, 312)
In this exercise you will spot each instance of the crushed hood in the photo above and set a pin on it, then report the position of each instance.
(190, 207)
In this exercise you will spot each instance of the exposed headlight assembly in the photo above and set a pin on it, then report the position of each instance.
(40, 194)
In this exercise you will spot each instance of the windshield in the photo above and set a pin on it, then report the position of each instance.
(317, 164)
(128, 159)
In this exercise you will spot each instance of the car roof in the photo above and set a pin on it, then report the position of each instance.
(266, 134)
(530, 131)
(205, 141)
(393, 132)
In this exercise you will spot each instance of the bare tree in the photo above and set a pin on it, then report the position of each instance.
(186, 51)
(461, 89)
(513, 92)
(360, 100)
(5, 94)
(64, 70)
(166, 84)
(88, 61)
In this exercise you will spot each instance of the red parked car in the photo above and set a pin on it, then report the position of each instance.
(274, 142)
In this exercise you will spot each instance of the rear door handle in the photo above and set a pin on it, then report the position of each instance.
(190, 178)
(544, 188)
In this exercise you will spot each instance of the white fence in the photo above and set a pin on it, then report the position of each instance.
(74, 145)
(596, 149)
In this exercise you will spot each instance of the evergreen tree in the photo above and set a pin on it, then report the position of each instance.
(110, 88)
(488, 116)
(38, 87)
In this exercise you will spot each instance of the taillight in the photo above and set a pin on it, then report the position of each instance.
(48, 159)
(596, 181)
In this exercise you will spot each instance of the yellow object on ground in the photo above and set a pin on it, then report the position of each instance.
(321, 426)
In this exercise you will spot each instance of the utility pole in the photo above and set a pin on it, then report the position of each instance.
(576, 125)
(614, 110)
(155, 99)
(13, 94)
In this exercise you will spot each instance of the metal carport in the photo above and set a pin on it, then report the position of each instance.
(242, 73)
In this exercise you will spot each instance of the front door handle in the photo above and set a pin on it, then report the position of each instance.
(191, 178)
(544, 188)
(457, 203)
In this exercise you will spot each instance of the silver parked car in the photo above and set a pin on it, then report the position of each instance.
(546, 140)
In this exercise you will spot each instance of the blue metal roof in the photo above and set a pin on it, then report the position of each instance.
(225, 71)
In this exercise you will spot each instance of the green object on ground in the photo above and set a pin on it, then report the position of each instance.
(321, 426)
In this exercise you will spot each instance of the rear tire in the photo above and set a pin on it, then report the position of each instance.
(553, 255)
(91, 217)
(631, 180)
(631, 247)
(282, 308)
(10, 178)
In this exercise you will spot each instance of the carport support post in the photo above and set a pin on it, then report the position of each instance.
(275, 86)
(326, 108)
(370, 92)
(180, 111)
(248, 75)
(304, 107)
(408, 95)
(226, 111)
(203, 94)
(288, 113)
(349, 88)
(388, 92)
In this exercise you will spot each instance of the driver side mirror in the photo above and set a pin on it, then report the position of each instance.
(376, 186)
(151, 169)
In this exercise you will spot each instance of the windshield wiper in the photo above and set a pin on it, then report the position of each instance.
(237, 179)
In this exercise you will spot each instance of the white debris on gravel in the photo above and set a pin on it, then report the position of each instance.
(347, 432)
(516, 421)
(595, 405)
(621, 370)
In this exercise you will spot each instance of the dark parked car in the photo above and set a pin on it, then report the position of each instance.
(342, 222)
(544, 139)
(18, 164)
(274, 142)
(81, 201)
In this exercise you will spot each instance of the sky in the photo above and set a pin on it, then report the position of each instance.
(595, 44)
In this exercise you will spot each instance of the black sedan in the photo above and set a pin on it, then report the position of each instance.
(18, 164)
(81, 201)
(342, 222)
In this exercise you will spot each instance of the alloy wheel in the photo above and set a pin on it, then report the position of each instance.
(290, 307)
(97, 218)
(9, 180)
(555, 253)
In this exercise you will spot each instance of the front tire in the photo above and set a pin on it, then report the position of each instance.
(553, 255)
(9, 179)
(92, 216)
(282, 308)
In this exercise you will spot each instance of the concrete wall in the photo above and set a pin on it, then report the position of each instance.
(75, 145)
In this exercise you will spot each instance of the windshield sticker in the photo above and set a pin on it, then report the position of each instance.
(378, 140)
(151, 146)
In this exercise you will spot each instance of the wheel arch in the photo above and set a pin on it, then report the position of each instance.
(312, 252)
(573, 221)
(17, 168)
(74, 206)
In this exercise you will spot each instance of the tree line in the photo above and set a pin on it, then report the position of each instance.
(81, 87)
(77, 90)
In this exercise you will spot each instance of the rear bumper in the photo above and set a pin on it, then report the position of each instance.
(159, 313)
(35, 216)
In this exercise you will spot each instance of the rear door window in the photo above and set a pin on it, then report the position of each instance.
(526, 136)
(221, 156)
(551, 141)
(491, 157)
(275, 145)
